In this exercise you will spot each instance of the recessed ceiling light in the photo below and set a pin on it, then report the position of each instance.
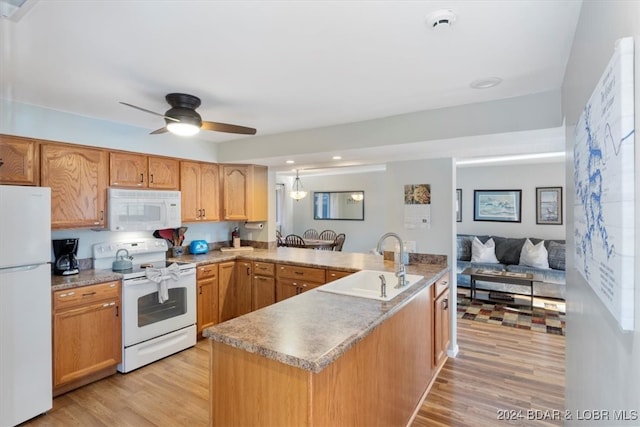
(443, 18)
(486, 83)
(337, 157)
(290, 162)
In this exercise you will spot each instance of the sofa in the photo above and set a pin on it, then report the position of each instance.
(508, 250)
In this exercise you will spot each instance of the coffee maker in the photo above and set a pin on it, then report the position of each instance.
(65, 251)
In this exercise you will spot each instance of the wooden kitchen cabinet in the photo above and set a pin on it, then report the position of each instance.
(78, 179)
(226, 289)
(244, 192)
(441, 323)
(292, 280)
(335, 275)
(19, 161)
(142, 171)
(200, 189)
(207, 296)
(263, 287)
(242, 290)
(87, 335)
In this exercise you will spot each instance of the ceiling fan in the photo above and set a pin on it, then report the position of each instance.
(182, 119)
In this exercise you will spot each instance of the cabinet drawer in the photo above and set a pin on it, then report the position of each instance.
(85, 294)
(206, 271)
(308, 274)
(263, 268)
(336, 274)
(442, 284)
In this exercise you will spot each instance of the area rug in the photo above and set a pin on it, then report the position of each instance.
(548, 318)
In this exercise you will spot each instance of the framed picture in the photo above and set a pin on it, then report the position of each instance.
(497, 205)
(459, 205)
(549, 205)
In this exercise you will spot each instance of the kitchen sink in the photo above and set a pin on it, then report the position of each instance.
(366, 284)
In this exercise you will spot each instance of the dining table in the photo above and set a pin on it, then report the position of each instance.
(319, 244)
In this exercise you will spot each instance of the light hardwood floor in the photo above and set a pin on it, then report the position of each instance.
(498, 369)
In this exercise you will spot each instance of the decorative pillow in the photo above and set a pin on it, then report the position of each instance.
(464, 248)
(483, 252)
(534, 255)
(557, 253)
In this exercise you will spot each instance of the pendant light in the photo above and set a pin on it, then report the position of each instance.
(297, 192)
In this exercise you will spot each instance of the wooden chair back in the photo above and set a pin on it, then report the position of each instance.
(328, 235)
(338, 242)
(294, 241)
(310, 234)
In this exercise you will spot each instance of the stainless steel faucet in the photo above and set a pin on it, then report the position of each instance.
(383, 286)
(400, 271)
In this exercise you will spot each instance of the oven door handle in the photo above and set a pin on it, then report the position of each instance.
(135, 281)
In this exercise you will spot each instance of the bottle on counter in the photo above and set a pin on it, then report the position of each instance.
(235, 238)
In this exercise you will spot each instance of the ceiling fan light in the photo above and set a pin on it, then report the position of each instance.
(183, 129)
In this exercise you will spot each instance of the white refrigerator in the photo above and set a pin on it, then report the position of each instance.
(25, 303)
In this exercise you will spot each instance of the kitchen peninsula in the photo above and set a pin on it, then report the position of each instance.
(322, 359)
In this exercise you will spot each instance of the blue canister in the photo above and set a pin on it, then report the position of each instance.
(199, 247)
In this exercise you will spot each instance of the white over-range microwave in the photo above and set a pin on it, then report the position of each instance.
(142, 210)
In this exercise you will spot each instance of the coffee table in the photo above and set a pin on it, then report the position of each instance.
(522, 279)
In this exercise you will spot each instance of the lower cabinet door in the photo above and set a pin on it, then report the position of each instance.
(86, 340)
(286, 288)
(441, 327)
(263, 292)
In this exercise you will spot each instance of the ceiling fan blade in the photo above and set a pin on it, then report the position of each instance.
(148, 111)
(158, 131)
(225, 127)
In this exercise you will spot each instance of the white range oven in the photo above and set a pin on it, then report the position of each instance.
(158, 301)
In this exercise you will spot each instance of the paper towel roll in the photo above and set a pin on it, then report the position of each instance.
(254, 225)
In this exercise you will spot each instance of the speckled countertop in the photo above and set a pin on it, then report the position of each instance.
(313, 329)
(84, 278)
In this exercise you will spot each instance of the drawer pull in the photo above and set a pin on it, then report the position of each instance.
(299, 272)
(445, 304)
(88, 294)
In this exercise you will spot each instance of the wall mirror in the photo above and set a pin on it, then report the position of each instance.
(345, 205)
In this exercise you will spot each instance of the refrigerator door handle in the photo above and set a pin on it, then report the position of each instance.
(21, 268)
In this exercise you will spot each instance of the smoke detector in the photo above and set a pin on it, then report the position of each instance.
(443, 18)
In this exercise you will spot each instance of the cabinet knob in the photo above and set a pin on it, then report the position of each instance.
(445, 304)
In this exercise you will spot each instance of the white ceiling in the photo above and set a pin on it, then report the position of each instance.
(280, 66)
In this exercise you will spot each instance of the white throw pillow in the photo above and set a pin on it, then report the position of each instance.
(483, 252)
(534, 255)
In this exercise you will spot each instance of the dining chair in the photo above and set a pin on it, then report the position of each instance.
(328, 235)
(310, 234)
(294, 241)
(338, 242)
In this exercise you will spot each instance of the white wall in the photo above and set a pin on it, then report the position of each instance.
(525, 177)
(602, 363)
(361, 236)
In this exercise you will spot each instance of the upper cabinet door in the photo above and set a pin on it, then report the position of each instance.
(235, 179)
(78, 179)
(164, 173)
(141, 171)
(19, 161)
(190, 191)
(128, 170)
(210, 191)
